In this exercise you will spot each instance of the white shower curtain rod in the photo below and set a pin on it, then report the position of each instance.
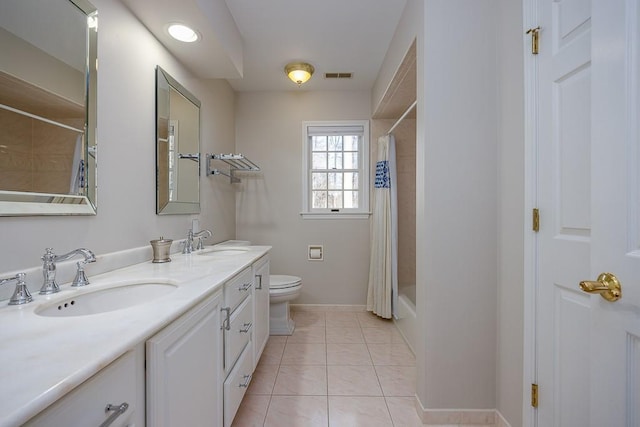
(411, 107)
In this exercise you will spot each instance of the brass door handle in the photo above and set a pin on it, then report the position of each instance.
(607, 286)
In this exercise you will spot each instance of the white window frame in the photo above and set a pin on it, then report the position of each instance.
(362, 212)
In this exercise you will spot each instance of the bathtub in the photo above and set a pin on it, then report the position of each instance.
(406, 320)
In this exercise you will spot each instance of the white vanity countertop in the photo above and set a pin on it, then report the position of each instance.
(43, 358)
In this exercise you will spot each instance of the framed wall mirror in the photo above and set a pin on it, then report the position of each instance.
(48, 81)
(177, 147)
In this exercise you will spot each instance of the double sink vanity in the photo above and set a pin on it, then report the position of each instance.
(169, 344)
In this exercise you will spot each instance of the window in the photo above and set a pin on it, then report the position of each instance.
(336, 169)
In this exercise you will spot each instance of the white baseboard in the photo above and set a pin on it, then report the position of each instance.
(480, 417)
(327, 307)
(500, 421)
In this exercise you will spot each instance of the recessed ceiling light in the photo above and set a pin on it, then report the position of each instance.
(182, 33)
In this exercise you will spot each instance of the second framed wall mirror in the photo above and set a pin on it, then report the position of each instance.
(177, 147)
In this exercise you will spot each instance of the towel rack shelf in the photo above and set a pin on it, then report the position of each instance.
(236, 162)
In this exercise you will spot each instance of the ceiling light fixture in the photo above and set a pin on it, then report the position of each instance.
(299, 72)
(182, 33)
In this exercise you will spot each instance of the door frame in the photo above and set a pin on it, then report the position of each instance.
(530, 280)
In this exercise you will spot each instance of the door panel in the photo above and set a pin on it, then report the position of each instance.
(564, 200)
(588, 191)
(616, 141)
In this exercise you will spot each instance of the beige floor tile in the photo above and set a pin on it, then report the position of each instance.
(397, 380)
(344, 335)
(308, 318)
(348, 354)
(297, 411)
(278, 339)
(382, 335)
(398, 354)
(264, 377)
(358, 412)
(403, 411)
(272, 353)
(298, 380)
(304, 354)
(308, 334)
(370, 320)
(342, 320)
(252, 411)
(353, 381)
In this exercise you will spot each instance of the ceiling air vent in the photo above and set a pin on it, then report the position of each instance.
(338, 75)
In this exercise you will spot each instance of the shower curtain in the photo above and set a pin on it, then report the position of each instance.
(382, 296)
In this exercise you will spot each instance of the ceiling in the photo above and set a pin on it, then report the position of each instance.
(249, 42)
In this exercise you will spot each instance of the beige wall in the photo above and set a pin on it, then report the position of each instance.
(510, 396)
(126, 140)
(269, 132)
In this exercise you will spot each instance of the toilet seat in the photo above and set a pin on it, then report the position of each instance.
(279, 281)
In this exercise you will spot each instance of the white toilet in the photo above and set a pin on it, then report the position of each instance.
(282, 289)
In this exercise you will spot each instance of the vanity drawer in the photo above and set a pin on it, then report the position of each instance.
(237, 383)
(238, 288)
(239, 332)
(120, 382)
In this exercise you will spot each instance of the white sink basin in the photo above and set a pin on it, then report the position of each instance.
(224, 251)
(104, 300)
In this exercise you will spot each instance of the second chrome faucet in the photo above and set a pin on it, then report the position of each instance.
(50, 286)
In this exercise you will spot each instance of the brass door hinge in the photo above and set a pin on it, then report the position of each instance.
(535, 221)
(535, 39)
(534, 395)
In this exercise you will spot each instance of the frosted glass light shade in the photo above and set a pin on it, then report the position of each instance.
(299, 72)
(182, 33)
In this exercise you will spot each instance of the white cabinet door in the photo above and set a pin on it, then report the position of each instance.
(120, 383)
(184, 370)
(261, 307)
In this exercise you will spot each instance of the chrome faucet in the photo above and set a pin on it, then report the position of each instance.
(21, 295)
(200, 235)
(49, 269)
(188, 243)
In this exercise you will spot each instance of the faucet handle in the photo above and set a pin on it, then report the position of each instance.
(81, 277)
(200, 244)
(21, 294)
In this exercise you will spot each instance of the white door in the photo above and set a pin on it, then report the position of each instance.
(587, 348)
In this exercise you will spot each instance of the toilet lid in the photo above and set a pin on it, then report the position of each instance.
(278, 281)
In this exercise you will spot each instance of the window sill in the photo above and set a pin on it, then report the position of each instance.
(335, 215)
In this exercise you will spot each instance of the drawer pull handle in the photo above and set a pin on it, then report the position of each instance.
(247, 380)
(244, 287)
(117, 411)
(226, 322)
(246, 328)
(259, 277)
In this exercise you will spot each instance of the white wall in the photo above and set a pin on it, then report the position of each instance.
(269, 132)
(126, 218)
(457, 302)
(511, 214)
(457, 197)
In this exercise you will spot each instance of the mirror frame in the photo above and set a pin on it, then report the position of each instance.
(164, 84)
(18, 203)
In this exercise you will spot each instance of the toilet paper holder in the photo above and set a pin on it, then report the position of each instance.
(315, 253)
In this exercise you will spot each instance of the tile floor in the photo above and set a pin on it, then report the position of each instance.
(338, 369)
